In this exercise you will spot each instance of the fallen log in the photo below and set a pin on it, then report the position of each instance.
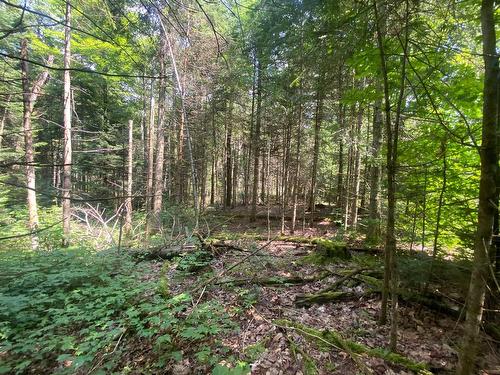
(159, 253)
(318, 242)
(329, 338)
(430, 300)
(343, 279)
(276, 280)
(306, 300)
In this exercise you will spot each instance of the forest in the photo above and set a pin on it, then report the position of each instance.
(236, 187)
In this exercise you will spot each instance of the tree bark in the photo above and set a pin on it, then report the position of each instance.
(160, 138)
(250, 139)
(340, 159)
(353, 215)
(286, 163)
(194, 179)
(318, 117)
(3, 118)
(151, 141)
(127, 227)
(256, 143)
(392, 130)
(68, 150)
(30, 95)
(213, 175)
(296, 178)
(229, 164)
(373, 230)
(487, 193)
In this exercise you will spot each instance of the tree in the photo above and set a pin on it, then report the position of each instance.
(392, 133)
(67, 151)
(160, 136)
(256, 140)
(30, 96)
(130, 167)
(487, 193)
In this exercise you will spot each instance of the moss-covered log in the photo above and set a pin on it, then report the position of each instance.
(328, 338)
(306, 300)
(350, 274)
(332, 249)
(155, 253)
(277, 280)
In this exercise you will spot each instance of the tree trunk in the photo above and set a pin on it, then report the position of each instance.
(30, 95)
(213, 176)
(373, 230)
(424, 209)
(229, 165)
(390, 273)
(68, 151)
(150, 161)
(318, 117)
(353, 215)
(235, 175)
(180, 88)
(160, 138)
(250, 141)
(128, 199)
(487, 193)
(144, 122)
(296, 179)
(256, 144)
(286, 163)
(3, 118)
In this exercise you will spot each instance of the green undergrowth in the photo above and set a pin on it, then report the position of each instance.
(76, 310)
(327, 339)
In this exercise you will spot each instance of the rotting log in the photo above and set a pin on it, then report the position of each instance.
(306, 300)
(326, 339)
(160, 252)
(343, 279)
(276, 280)
(317, 242)
(430, 300)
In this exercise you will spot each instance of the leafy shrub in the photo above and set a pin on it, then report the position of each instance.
(194, 261)
(66, 311)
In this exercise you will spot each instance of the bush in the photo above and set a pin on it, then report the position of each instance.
(65, 311)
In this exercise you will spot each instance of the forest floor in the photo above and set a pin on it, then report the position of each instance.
(232, 299)
(278, 335)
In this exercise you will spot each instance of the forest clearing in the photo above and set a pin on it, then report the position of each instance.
(236, 187)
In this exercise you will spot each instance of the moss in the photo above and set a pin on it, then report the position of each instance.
(331, 249)
(370, 281)
(327, 338)
(325, 297)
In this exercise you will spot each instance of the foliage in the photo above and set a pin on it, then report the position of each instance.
(193, 261)
(65, 310)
